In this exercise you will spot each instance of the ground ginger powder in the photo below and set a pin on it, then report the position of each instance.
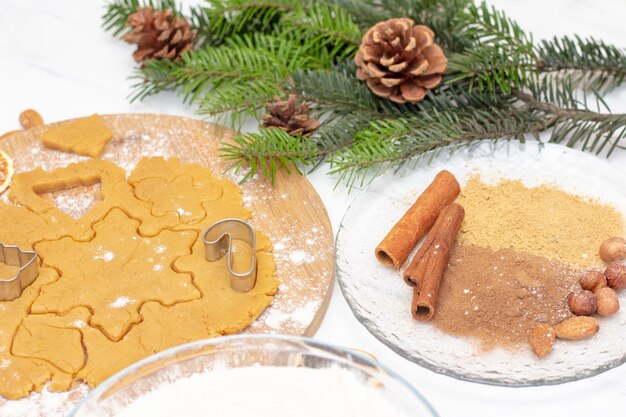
(545, 221)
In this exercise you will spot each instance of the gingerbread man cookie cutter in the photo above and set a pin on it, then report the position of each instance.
(218, 241)
(28, 270)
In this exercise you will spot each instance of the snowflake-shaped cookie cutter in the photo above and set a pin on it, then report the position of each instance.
(12, 288)
(218, 241)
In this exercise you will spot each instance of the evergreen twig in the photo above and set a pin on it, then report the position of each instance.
(499, 83)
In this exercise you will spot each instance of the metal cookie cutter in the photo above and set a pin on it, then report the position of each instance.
(218, 241)
(29, 270)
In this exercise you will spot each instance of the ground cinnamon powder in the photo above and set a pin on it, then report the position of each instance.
(543, 220)
(497, 297)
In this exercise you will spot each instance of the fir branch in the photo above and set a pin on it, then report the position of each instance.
(596, 132)
(498, 84)
(238, 101)
(260, 62)
(117, 12)
(329, 25)
(223, 19)
(560, 91)
(364, 13)
(339, 134)
(391, 143)
(589, 64)
(492, 70)
(199, 71)
(488, 26)
(501, 57)
(336, 92)
(268, 151)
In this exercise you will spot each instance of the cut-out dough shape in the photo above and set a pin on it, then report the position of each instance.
(53, 339)
(27, 187)
(19, 376)
(21, 227)
(219, 312)
(165, 185)
(179, 198)
(87, 136)
(115, 273)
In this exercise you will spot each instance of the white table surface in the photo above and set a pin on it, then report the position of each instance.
(56, 59)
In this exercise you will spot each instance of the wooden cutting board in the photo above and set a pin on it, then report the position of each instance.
(290, 211)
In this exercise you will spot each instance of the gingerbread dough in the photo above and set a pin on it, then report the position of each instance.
(21, 227)
(27, 189)
(183, 195)
(87, 136)
(20, 375)
(115, 273)
(126, 280)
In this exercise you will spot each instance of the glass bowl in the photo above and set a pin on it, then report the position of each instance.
(242, 351)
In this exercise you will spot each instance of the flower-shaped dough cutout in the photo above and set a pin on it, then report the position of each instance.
(183, 196)
(177, 193)
(115, 273)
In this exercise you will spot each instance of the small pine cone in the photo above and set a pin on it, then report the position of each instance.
(289, 116)
(400, 61)
(158, 34)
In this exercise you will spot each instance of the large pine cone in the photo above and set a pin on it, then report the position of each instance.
(289, 116)
(400, 61)
(158, 34)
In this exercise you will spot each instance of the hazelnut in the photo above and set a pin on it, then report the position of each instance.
(592, 280)
(582, 303)
(615, 275)
(608, 303)
(613, 249)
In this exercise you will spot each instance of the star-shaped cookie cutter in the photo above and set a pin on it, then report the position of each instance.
(218, 241)
(29, 270)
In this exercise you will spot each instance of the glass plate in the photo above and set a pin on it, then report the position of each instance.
(381, 300)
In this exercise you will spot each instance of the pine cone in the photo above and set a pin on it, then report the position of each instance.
(289, 116)
(400, 61)
(158, 34)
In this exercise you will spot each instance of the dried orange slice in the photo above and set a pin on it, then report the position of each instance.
(6, 170)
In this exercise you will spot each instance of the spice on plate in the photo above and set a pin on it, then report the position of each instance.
(498, 297)
(545, 221)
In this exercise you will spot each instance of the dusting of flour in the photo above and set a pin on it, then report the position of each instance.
(263, 391)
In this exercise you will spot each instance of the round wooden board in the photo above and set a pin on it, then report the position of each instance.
(290, 211)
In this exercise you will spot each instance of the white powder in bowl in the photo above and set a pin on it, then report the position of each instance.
(265, 392)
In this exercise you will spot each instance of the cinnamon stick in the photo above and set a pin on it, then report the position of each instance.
(426, 269)
(402, 238)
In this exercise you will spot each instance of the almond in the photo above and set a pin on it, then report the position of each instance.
(575, 328)
(30, 118)
(541, 340)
